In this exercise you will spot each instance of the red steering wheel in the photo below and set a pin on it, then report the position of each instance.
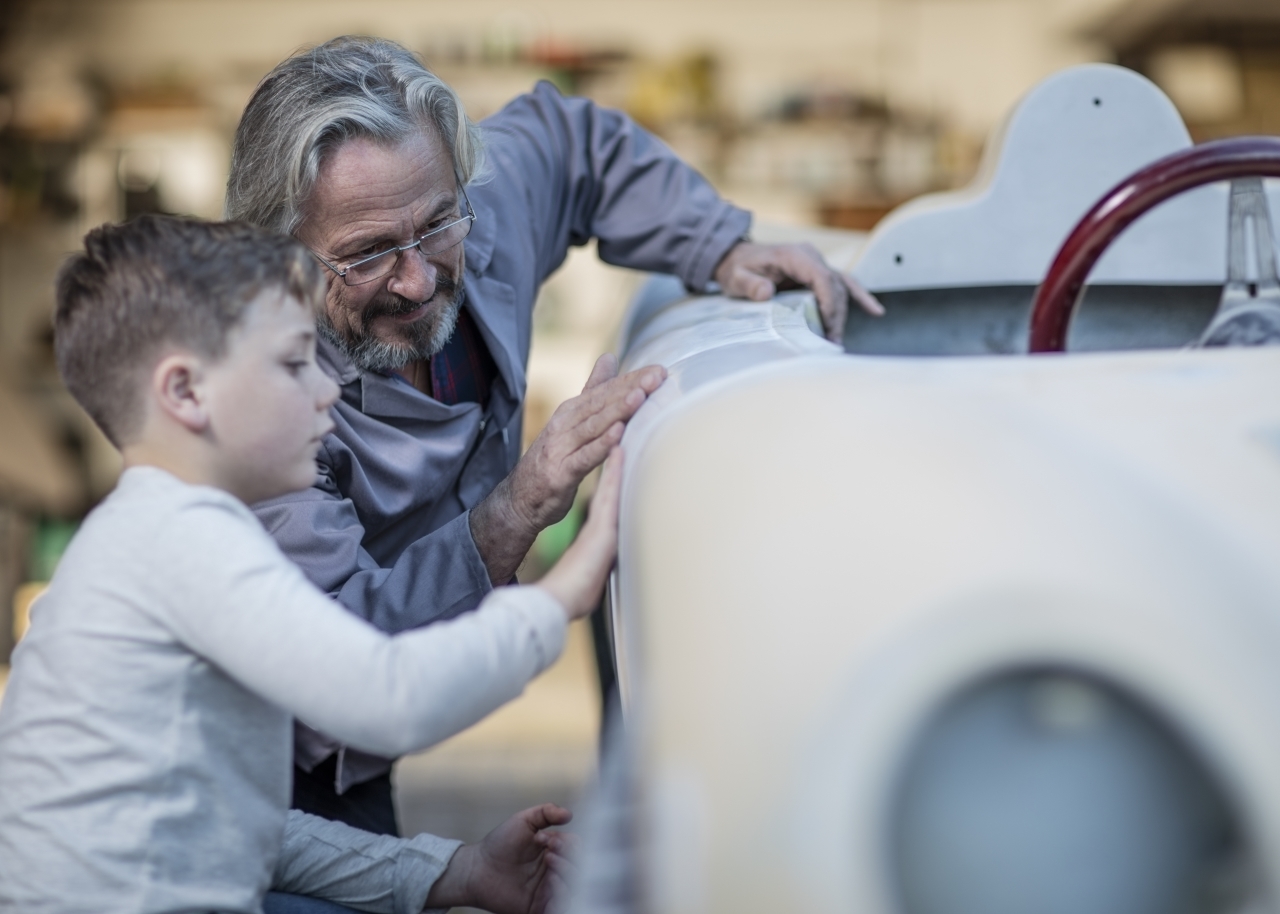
(1221, 160)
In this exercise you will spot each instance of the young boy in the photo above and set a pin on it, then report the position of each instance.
(145, 737)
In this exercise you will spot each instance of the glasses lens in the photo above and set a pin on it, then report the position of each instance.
(374, 268)
(383, 264)
(447, 237)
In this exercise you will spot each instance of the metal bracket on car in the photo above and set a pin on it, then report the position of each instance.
(1249, 311)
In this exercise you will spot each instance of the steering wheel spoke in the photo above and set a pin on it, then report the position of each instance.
(1249, 312)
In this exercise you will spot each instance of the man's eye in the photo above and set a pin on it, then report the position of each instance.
(371, 251)
(440, 222)
(296, 367)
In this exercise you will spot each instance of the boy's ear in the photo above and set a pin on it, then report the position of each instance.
(177, 387)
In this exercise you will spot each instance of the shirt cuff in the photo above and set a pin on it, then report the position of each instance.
(421, 861)
(730, 228)
(476, 568)
(347, 866)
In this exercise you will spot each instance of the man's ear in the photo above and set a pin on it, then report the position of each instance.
(177, 385)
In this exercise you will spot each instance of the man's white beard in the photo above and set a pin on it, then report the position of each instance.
(427, 336)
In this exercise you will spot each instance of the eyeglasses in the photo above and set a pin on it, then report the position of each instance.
(383, 263)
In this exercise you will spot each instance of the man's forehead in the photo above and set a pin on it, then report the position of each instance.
(367, 179)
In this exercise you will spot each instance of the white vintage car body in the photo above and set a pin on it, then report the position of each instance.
(898, 630)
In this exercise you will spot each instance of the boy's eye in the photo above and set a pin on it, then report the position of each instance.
(296, 367)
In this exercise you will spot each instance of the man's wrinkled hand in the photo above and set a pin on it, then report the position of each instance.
(521, 867)
(576, 440)
(758, 271)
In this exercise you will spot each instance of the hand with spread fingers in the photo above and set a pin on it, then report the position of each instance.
(758, 271)
(521, 867)
(576, 440)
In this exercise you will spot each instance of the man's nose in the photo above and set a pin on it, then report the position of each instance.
(414, 276)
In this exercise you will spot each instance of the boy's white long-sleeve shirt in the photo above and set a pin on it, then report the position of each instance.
(145, 735)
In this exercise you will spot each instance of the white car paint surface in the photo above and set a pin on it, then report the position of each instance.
(820, 550)
(815, 555)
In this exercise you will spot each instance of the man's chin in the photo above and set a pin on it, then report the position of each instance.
(391, 344)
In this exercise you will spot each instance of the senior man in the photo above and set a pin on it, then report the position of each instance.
(437, 235)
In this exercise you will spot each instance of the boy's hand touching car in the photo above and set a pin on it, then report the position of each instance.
(577, 580)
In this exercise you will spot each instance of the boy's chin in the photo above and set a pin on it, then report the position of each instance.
(267, 489)
(305, 478)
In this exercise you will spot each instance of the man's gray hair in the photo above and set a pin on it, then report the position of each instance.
(315, 101)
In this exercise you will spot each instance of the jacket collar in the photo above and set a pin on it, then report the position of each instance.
(484, 232)
(335, 362)
(491, 301)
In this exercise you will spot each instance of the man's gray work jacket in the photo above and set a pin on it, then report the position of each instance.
(385, 528)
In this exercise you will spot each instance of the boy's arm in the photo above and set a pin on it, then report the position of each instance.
(519, 867)
(232, 598)
(253, 615)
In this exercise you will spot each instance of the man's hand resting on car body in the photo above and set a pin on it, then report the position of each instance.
(521, 867)
(758, 271)
(540, 490)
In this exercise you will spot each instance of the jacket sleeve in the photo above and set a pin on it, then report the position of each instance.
(591, 172)
(358, 869)
(437, 576)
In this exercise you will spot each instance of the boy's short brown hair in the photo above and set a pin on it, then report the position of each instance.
(162, 281)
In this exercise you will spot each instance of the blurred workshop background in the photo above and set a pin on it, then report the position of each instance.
(810, 112)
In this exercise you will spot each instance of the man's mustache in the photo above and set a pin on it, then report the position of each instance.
(394, 305)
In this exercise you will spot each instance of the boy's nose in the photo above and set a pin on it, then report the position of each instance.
(327, 395)
(414, 277)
